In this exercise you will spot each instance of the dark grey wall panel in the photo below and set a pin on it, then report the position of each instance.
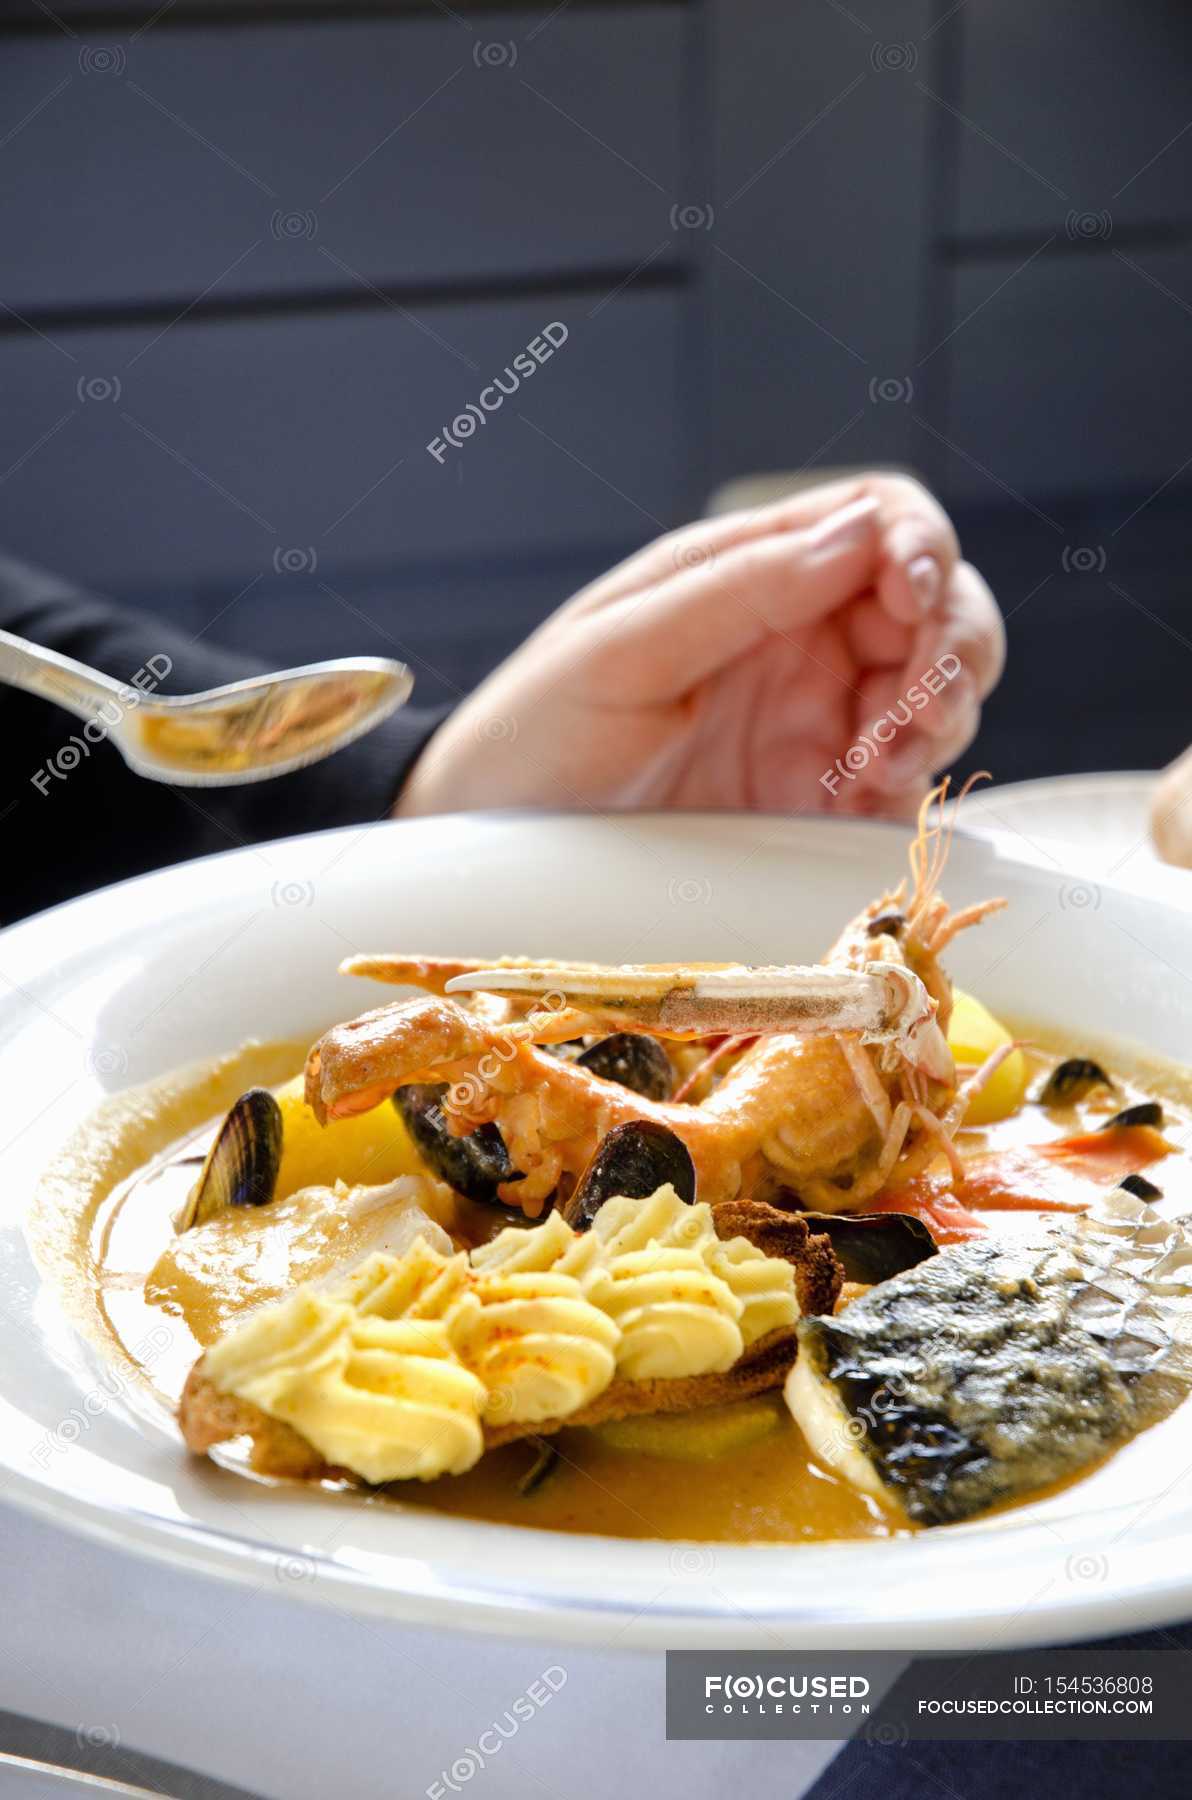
(237, 160)
(1075, 115)
(1072, 378)
(451, 625)
(815, 250)
(229, 443)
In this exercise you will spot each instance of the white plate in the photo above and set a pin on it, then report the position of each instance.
(119, 986)
(1106, 815)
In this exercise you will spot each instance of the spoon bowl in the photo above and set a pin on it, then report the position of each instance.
(245, 731)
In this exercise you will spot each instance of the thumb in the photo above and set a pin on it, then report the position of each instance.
(727, 602)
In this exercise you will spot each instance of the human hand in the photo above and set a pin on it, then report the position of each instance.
(772, 659)
(1171, 813)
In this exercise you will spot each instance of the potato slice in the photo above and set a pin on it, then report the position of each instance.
(371, 1147)
(695, 1436)
(973, 1033)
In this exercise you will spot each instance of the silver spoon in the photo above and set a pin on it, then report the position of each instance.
(247, 731)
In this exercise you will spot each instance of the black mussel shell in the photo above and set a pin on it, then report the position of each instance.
(1140, 1187)
(889, 923)
(474, 1165)
(633, 1060)
(545, 1462)
(634, 1160)
(242, 1164)
(1147, 1112)
(873, 1246)
(1072, 1080)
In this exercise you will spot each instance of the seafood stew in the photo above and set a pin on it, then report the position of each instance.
(524, 1247)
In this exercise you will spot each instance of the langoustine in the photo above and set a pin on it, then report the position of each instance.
(835, 1106)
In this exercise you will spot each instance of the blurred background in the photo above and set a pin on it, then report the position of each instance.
(259, 257)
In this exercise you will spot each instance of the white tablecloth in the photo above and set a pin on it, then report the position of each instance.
(262, 1690)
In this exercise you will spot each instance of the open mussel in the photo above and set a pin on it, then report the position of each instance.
(634, 1061)
(241, 1166)
(634, 1161)
(1071, 1081)
(872, 1247)
(475, 1165)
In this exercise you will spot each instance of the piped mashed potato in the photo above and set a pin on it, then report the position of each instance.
(394, 1372)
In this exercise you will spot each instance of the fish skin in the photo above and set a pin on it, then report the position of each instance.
(1001, 1365)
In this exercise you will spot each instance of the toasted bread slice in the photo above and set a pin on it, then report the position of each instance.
(208, 1416)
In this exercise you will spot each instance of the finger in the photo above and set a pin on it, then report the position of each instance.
(913, 729)
(705, 617)
(922, 756)
(891, 710)
(980, 630)
(1171, 813)
(921, 552)
(969, 628)
(919, 524)
(940, 721)
(704, 539)
(918, 756)
(874, 638)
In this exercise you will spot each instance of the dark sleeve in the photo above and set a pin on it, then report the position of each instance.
(97, 822)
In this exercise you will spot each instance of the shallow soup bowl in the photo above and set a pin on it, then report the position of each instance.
(113, 990)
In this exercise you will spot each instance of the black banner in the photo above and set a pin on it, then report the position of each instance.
(1034, 1696)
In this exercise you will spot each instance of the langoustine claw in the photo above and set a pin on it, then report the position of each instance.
(884, 1003)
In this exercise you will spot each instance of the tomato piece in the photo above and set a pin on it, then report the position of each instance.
(1112, 1152)
(930, 1199)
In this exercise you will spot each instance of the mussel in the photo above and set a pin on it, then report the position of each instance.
(547, 1458)
(634, 1160)
(874, 1246)
(890, 922)
(1147, 1112)
(634, 1061)
(241, 1166)
(1140, 1187)
(475, 1165)
(1071, 1080)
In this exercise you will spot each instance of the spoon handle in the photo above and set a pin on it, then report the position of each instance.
(82, 691)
